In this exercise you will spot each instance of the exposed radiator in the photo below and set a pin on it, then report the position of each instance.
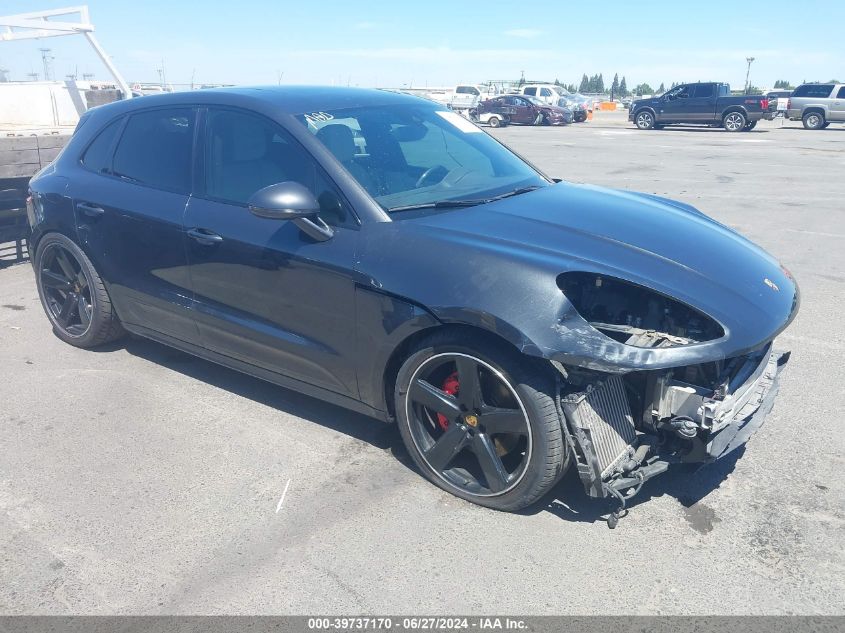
(603, 414)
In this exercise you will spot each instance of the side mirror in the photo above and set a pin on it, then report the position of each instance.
(291, 201)
(284, 201)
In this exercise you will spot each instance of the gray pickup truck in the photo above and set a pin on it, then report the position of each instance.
(706, 103)
(817, 105)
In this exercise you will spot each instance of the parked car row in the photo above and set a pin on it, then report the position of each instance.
(710, 103)
(520, 110)
(534, 104)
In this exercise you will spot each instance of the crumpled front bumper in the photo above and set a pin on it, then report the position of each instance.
(747, 414)
(614, 459)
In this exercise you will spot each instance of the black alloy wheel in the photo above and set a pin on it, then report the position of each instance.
(67, 291)
(481, 423)
(73, 295)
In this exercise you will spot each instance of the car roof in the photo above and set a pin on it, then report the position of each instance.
(283, 99)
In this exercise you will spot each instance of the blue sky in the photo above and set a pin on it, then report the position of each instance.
(437, 42)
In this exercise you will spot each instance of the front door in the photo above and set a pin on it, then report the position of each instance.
(130, 193)
(524, 112)
(266, 293)
(837, 107)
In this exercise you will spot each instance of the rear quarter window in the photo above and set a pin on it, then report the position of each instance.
(819, 91)
(98, 155)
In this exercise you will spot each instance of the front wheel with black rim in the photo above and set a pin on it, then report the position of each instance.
(480, 420)
(644, 120)
(73, 294)
(734, 122)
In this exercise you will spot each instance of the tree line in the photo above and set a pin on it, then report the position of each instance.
(618, 87)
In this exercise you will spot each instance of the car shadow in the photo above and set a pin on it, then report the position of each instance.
(361, 427)
(707, 129)
(567, 500)
(687, 483)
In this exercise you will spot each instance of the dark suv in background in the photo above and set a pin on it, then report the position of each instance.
(701, 103)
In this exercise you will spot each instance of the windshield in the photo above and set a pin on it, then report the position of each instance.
(418, 154)
(535, 100)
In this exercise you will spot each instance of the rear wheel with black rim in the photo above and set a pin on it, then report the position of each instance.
(750, 126)
(73, 294)
(480, 421)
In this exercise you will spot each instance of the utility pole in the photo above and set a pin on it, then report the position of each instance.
(46, 58)
(748, 73)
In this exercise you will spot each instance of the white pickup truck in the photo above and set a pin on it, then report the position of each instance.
(460, 97)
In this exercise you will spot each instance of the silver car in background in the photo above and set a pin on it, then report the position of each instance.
(817, 105)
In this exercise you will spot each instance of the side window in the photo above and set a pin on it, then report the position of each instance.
(99, 153)
(462, 90)
(703, 91)
(531, 92)
(155, 149)
(545, 92)
(817, 91)
(684, 93)
(841, 93)
(245, 153)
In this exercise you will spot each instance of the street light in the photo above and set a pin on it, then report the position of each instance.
(748, 73)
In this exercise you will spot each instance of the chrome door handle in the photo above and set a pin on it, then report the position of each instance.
(204, 236)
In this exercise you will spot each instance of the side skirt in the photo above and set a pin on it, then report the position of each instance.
(259, 372)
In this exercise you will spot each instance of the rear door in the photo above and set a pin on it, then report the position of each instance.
(701, 104)
(130, 195)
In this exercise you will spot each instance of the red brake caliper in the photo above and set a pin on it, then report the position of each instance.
(452, 387)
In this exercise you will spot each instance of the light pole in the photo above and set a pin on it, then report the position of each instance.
(748, 73)
(46, 58)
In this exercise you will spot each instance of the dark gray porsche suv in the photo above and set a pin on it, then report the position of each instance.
(381, 252)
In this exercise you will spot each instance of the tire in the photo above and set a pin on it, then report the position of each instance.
(644, 120)
(494, 121)
(539, 119)
(92, 321)
(520, 386)
(813, 120)
(750, 126)
(734, 121)
(826, 125)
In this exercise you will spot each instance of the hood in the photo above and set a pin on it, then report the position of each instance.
(641, 102)
(667, 246)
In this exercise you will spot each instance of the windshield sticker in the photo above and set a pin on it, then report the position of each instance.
(459, 122)
(318, 117)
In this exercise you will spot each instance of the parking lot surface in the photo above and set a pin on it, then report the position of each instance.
(138, 479)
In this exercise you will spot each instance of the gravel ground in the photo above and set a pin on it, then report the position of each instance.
(137, 479)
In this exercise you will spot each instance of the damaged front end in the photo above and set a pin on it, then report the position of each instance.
(625, 428)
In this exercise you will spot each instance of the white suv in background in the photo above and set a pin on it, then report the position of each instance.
(547, 93)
